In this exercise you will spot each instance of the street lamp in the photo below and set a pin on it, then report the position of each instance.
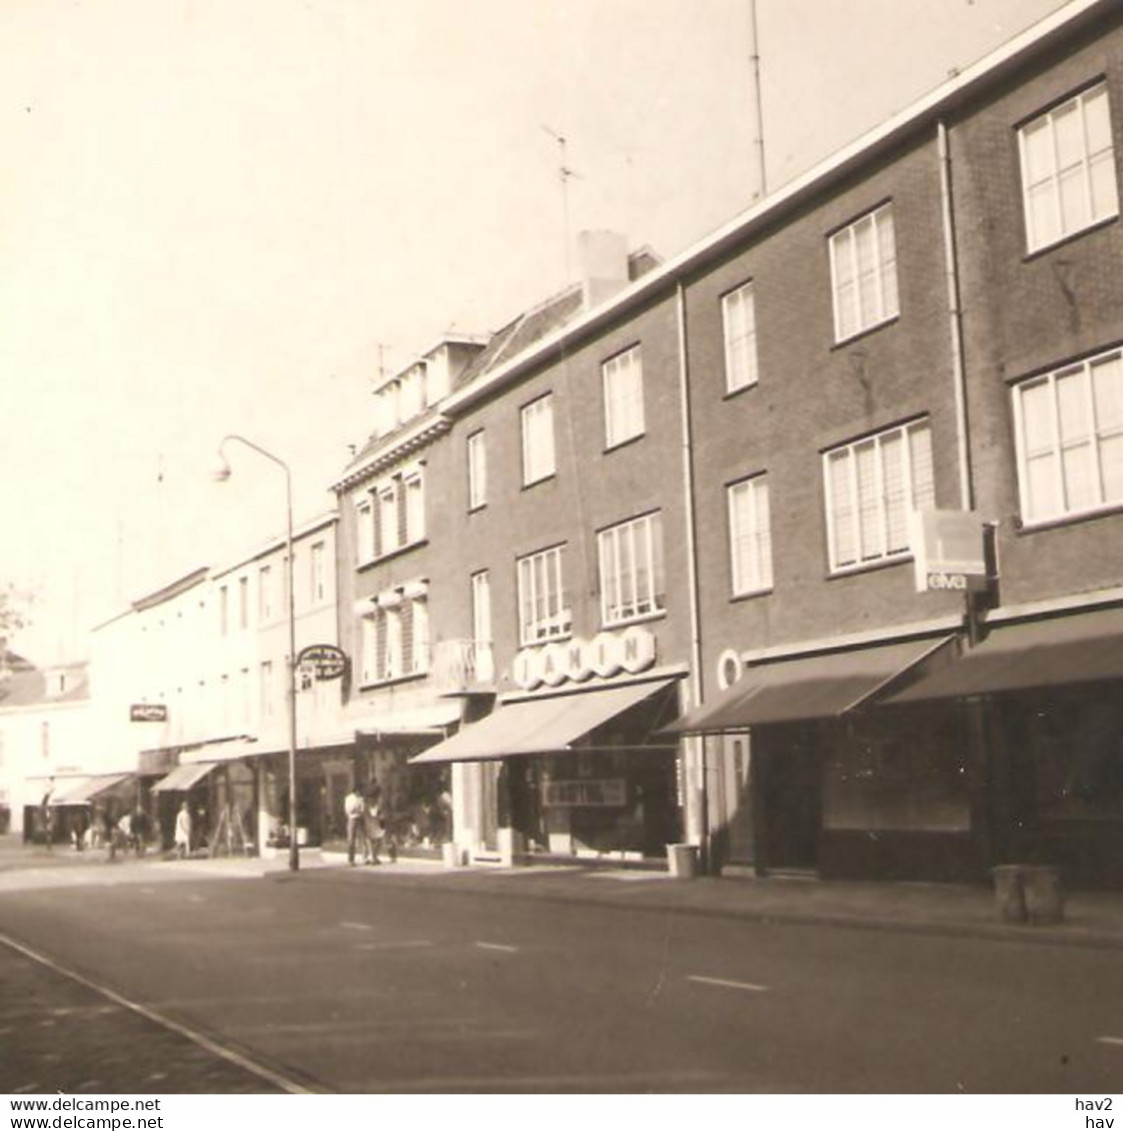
(220, 473)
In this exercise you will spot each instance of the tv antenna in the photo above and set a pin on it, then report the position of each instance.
(565, 174)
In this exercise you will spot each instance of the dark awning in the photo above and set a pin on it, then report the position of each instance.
(182, 778)
(539, 726)
(1080, 648)
(811, 687)
(85, 790)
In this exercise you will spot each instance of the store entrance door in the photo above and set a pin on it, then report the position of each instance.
(791, 797)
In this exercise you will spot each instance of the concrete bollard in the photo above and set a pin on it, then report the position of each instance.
(1044, 897)
(682, 861)
(1010, 893)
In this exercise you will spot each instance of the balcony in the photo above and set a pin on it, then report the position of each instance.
(463, 666)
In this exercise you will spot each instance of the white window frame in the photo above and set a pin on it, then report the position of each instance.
(419, 634)
(477, 470)
(750, 535)
(738, 318)
(224, 610)
(266, 689)
(538, 454)
(368, 647)
(918, 491)
(364, 528)
(265, 594)
(543, 612)
(1059, 448)
(413, 506)
(843, 246)
(243, 602)
(393, 652)
(1049, 181)
(622, 383)
(317, 572)
(481, 607)
(620, 551)
(389, 528)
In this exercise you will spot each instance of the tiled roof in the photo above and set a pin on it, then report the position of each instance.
(24, 685)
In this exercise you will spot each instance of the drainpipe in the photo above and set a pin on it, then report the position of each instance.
(692, 568)
(966, 487)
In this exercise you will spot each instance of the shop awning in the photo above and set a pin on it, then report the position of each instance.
(182, 778)
(82, 791)
(539, 726)
(1081, 648)
(812, 687)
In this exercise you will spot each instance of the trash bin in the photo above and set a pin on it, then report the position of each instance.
(682, 861)
(1044, 898)
(1009, 892)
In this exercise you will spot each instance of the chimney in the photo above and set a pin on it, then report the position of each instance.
(603, 258)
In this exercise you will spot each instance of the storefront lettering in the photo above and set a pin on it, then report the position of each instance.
(606, 655)
(608, 793)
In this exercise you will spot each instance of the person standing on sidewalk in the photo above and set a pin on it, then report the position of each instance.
(373, 824)
(183, 831)
(354, 809)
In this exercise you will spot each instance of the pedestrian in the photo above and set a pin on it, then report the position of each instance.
(183, 831)
(125, 831)
(140, 830)
(353, 809)
(109, 835)
(372, 821)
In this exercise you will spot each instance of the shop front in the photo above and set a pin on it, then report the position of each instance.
(574, 773)
(222, 798)
(1048, 697)
(72, 805)
(810, 775)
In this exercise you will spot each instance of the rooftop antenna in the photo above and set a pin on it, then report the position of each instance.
(564, 175)
(758, 109)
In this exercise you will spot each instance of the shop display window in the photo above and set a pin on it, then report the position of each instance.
(897, 773)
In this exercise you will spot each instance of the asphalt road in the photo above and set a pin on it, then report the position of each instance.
(347, 980)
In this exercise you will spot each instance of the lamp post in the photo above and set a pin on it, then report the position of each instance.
(222, 471)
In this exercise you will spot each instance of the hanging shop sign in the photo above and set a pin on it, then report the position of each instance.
(591, 793)
(326, 660)
(605, 655)
(947, 549)
(148, 713)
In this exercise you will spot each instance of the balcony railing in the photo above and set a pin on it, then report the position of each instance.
(463, 665)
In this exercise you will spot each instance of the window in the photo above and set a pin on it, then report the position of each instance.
(543, 613)
(244, 696)
(364, 530)
(243, 602)
(481, 607)
(369, 649)
(224, 701)
(414, 489)
(266, 689)
(388, 539)
(538, 440)
(477, 471)
(623, 397)
(631, 569)
(870, 487)
(392, 643)
(738, 313)
(750, 536)
(419, 635)
(864, 273)
(265, 594)
(1068, 169)
(224, 610)
(1069, 427)
(318, 572)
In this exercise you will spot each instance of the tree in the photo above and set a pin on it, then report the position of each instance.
(13, 615)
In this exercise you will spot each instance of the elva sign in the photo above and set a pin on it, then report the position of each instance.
(606, 655)
(148, 713)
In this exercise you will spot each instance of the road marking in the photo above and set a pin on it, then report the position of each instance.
(723, 982)
(1110, 1040)
(497, 946)
(357, 926)
(403, 943)
(271, 1075)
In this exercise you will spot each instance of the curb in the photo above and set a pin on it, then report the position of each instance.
(659, 903)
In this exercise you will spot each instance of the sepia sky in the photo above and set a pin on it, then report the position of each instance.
(223, 215)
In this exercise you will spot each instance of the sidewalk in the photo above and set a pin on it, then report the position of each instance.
(1092, 919)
